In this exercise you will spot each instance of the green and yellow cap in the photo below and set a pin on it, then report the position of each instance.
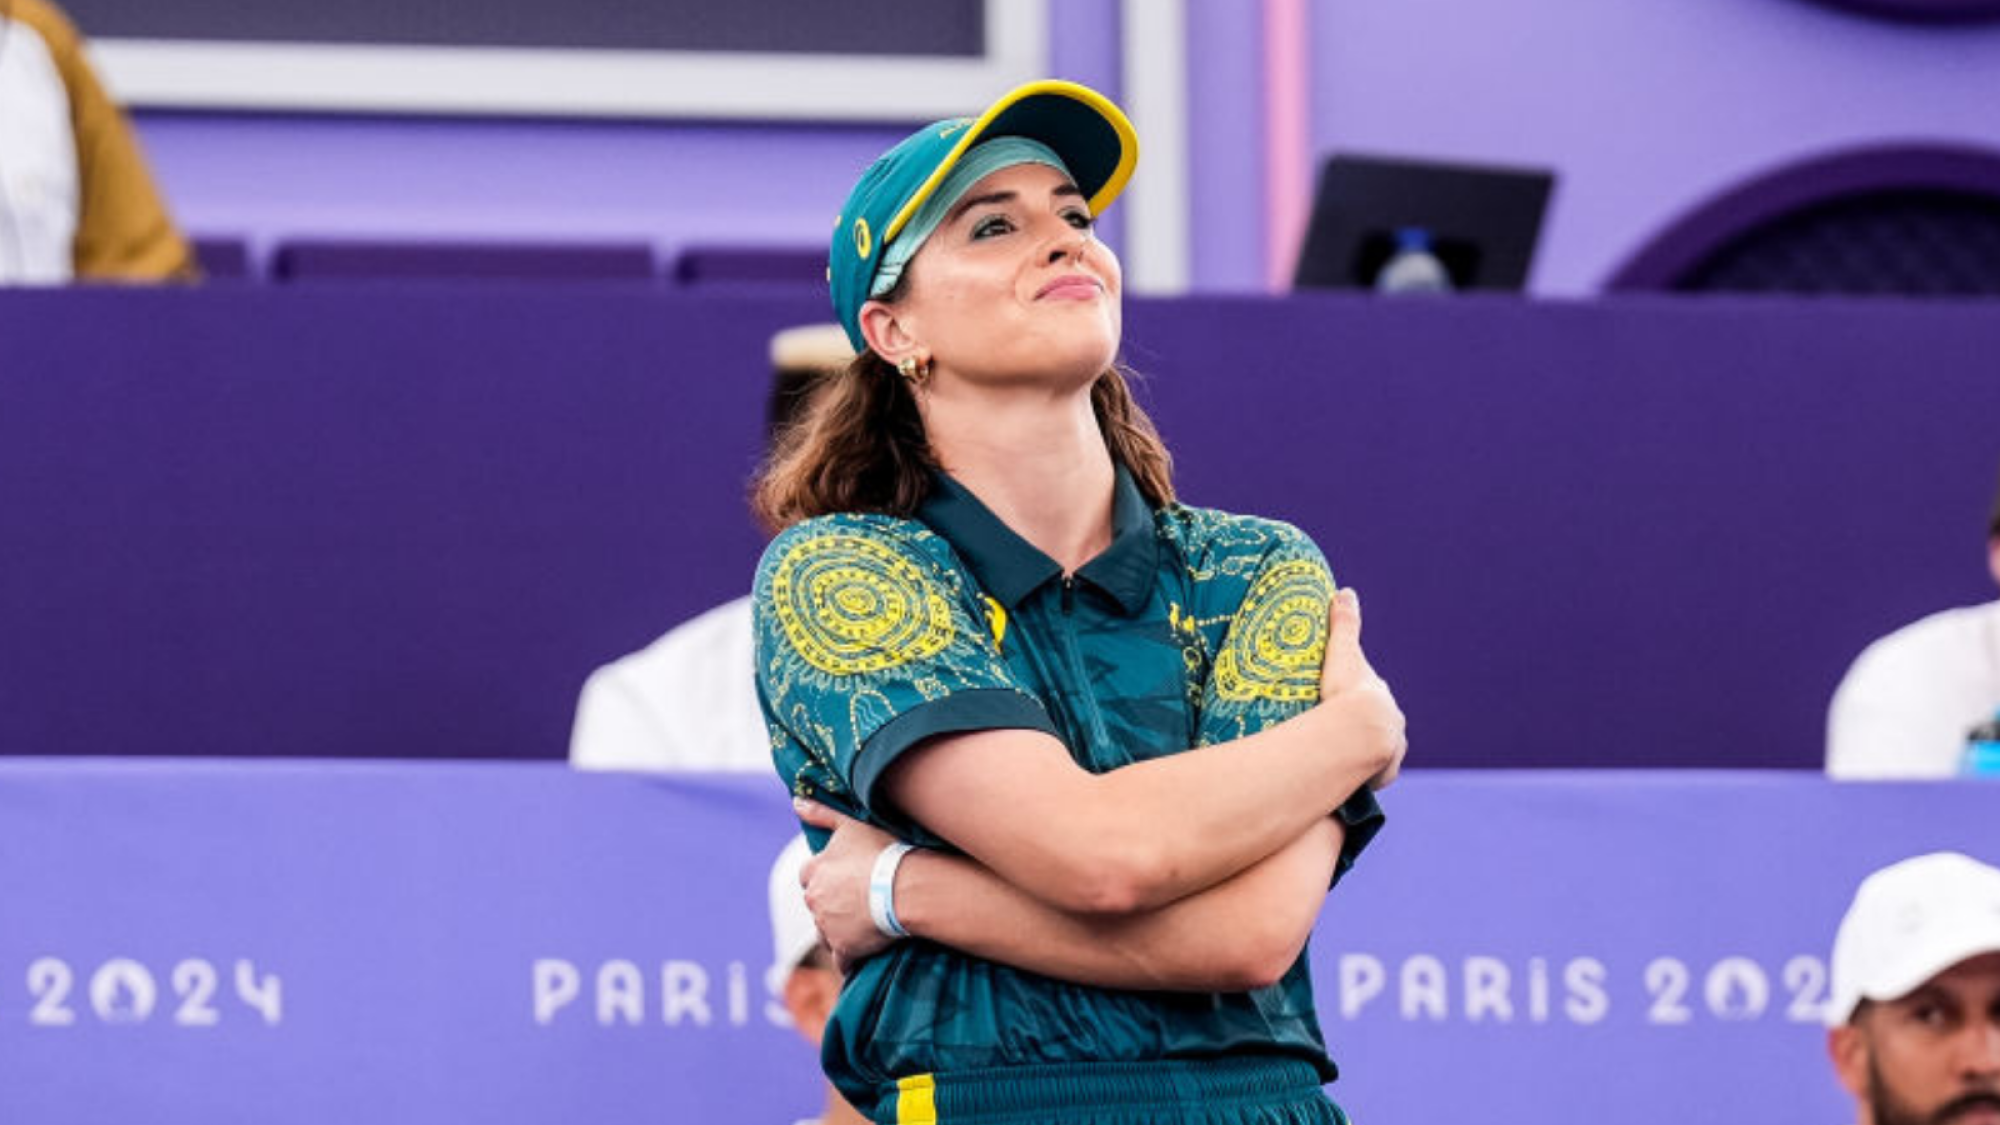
(1090, 135)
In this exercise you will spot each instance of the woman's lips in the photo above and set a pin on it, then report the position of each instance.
(1075, 287)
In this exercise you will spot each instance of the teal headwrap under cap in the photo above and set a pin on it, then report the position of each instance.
(984, 160)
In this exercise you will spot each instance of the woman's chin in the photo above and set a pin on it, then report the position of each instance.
(1075, 370)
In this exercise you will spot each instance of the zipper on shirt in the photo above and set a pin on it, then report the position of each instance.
(1069, 593)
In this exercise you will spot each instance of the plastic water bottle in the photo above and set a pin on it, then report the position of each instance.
(1413, 267)
(1982, 751)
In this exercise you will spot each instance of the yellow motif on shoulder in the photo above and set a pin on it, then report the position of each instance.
(1278, 638)
(850, 605)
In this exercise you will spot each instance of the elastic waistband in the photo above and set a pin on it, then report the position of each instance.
(1035, 1092)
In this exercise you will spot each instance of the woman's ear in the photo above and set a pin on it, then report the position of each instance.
(885, 333)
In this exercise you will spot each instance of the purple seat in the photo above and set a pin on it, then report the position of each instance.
(223, 258)
(329, 259)
(752, 265)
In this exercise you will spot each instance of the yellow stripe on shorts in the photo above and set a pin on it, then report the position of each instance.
(915, 1102)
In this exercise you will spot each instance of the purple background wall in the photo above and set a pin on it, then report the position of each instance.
(265, 176)
(1645, 111)
(408, 520)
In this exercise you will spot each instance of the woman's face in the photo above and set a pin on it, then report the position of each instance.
(1012, 287)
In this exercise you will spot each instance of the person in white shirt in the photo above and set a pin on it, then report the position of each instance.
(1905, 707)
(688, 701)
(1913, 1016)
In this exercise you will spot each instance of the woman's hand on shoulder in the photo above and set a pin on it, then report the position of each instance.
(1350, 687)
(836, 883)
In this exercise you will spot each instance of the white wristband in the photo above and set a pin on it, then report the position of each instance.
(882, 890)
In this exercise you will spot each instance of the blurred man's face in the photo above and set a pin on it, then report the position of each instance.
(1931, 1057)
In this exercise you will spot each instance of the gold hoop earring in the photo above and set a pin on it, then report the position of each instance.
(917, 371)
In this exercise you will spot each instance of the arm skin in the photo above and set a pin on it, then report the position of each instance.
(1089, 843)
(1241, 934)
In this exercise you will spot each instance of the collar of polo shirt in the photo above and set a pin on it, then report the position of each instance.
(1010, 568)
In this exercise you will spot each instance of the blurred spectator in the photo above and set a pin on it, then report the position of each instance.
(1914, 1015)
(76, 199)
(688, 701)
(1905, 707)
(802, 973)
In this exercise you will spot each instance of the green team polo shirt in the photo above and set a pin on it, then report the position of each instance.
(875, 633)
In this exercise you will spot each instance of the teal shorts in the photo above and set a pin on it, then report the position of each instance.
(1251, 1091)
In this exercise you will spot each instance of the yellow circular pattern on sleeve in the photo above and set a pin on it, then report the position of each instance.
(851, 605)
(1278, 638)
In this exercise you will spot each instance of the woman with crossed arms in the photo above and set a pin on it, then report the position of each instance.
(1082, 761)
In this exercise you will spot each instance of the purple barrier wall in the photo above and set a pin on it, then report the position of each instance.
(315, 943)
(408, 520)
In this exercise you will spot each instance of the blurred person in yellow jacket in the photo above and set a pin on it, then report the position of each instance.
(76, 199)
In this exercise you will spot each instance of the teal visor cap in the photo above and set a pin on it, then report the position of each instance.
(1091, 135)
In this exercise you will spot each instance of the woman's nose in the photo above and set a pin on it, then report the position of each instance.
(1070, 243)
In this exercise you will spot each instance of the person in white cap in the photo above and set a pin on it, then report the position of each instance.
(1914, 1014)
(802, 972)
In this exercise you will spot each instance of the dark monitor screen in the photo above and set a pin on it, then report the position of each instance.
(1481, 222)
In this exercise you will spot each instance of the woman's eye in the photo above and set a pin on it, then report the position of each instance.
(1079, 219)
(990, 226)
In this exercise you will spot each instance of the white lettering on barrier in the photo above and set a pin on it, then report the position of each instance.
(1486, 989)
(1361, 980)
(1805, 979)
(1424, 992)
(556, 984)
(739, 994)
(1479, 988)
(195, 982)
(1667, 983)
(263, 995)
(49, 982)
(691, 994)
(1584, 997)
(1486, 984)
(122, 990)
(684, 993)
(776, 1013)
(1737, 989)
(619, 993)
(1538, 990)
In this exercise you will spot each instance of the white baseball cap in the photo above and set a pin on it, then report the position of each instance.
(1909, 922)
(793, 934)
